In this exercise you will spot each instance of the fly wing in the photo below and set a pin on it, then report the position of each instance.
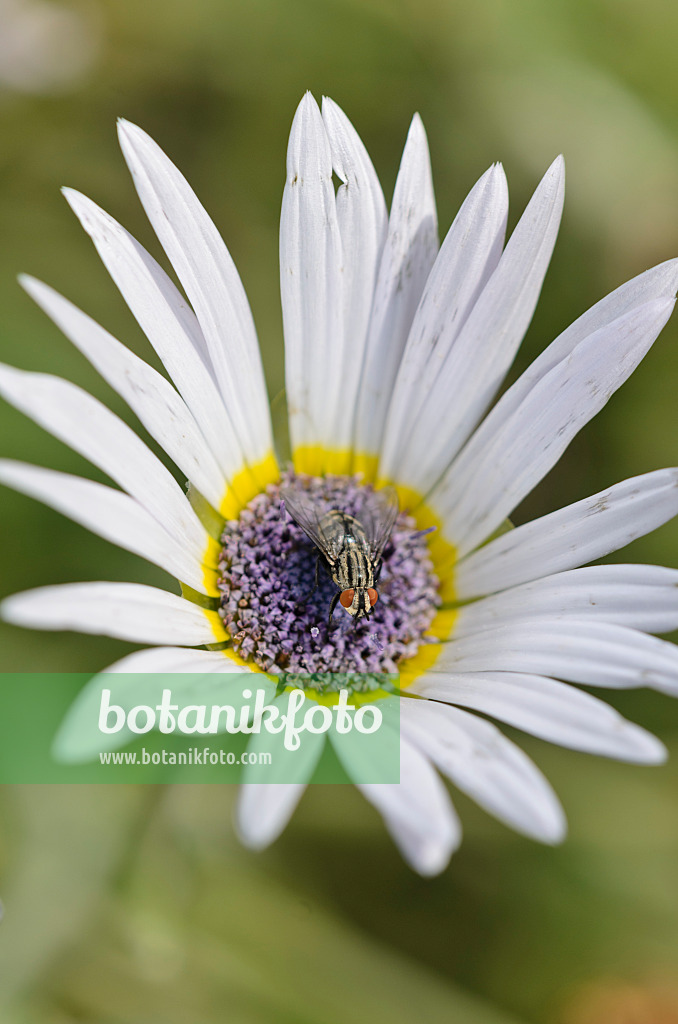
(311, 515)
(377, 514)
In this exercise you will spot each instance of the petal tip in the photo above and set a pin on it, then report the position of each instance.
(72, 196)
(254, 832)
(307, 105)
(32, 286)
(557, 168)
(649, 749)
(554, 827)
(328, 105)
(8, 611)
(417, 131)
(251, 838)
(308, 149)
(26, 281)
(432, 859)
(130, 133)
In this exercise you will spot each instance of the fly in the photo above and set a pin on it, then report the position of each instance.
(349, 546)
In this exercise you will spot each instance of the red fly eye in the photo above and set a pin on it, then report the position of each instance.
(346, 598)
(373, 596)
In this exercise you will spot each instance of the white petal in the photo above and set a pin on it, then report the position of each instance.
(128, 611)
(361, 215)
(95, 432)
(571, 536)
(659, 282)
(159, 660)
(467, 258)
(539, 431)
(109, 513)
(200, 677)
(484, 349)
(576, 650)
(486, 766)
(310, 280)
(168, 323)
(418, 813)
(205, 268)
(270, 792)
(264, 809)
(409, 253)
(155, 402)
(548, 709)
(639, 596)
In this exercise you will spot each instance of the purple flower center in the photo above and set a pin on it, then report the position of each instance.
(275, 619)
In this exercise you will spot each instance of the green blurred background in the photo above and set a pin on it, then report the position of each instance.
(137, 905)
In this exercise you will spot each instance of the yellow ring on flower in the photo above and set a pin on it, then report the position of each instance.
(318, 461)
(245, 485)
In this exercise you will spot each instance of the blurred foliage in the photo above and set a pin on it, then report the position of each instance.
(129, 905)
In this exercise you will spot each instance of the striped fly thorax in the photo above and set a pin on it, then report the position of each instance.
(353, 568)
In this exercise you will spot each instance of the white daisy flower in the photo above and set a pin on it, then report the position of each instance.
(395, 352)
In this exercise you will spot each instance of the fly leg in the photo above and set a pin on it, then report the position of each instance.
(333, 605)
(316, 583)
